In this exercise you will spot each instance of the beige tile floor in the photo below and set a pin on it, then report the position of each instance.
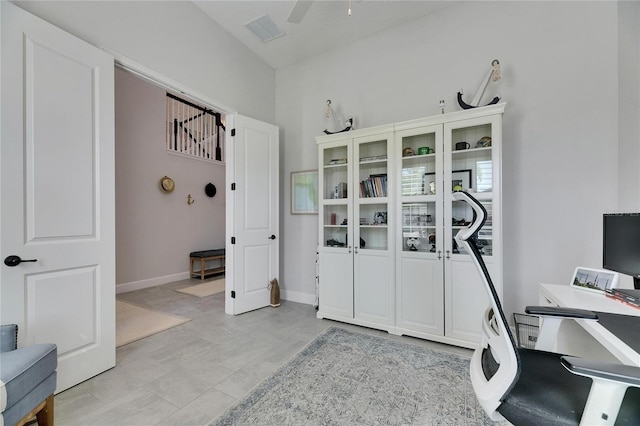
(191, 374)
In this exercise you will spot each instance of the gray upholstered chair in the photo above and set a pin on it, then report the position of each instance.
(27, 380)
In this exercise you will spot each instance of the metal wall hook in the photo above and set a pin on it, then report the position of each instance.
(190, 200)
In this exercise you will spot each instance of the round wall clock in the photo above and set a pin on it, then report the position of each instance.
(167, 184)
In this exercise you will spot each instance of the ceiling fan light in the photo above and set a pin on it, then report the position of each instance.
(264, 28)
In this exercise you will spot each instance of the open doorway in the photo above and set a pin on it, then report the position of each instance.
(157, 226)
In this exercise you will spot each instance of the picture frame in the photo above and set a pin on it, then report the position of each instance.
(304, 192)
(428, 179)
(462, 177)
(597, 280)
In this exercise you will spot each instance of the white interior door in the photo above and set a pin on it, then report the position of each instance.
(252, 213)
(57, 181)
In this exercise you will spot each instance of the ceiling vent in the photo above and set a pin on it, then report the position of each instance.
(264, 28)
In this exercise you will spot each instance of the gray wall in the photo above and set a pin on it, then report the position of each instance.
(561, 154)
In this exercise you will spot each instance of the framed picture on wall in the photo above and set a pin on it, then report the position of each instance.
(304, 192)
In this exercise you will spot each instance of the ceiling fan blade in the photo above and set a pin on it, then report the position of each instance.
(299, 9)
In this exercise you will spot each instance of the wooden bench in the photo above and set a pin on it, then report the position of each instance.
(204, 256)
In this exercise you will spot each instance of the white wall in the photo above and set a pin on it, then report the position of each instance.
(175, 39)
(156, 231)
(559, 65)
(629, 92)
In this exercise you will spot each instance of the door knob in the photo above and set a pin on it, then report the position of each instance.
(272, 237)
(14, 260)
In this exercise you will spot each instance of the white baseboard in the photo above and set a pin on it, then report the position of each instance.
(296, 296)
(151, 282)
(292, 296)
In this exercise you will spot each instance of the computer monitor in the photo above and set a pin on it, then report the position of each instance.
(621, 244)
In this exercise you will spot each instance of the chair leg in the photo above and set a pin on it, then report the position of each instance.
(43, 414)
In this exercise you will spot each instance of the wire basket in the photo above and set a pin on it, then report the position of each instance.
(527, 329)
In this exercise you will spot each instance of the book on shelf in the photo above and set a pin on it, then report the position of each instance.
(374, 186)
(340, 190)
(338, 161)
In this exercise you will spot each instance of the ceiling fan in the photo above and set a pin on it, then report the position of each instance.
(299, 10)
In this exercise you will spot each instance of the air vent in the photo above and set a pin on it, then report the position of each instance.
(264, 28)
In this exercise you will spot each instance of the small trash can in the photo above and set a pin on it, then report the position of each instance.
(527, 329)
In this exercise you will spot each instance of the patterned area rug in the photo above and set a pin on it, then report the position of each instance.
(349, 378)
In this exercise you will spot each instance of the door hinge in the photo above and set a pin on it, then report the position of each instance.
(233, 294)
(233, 132)
(233, 186)
(233, 240)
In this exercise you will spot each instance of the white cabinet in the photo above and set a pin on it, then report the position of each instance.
(356, 242)
(404, 273)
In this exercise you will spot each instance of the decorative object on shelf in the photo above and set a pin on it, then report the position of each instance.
(330, 113)
(167, 184)
(432, 241)
(462, 145)
(380, 218)
(461, 179)
(304, 192)
(429, 183)
(425, 150)
(210, 189)
(334, 243)
(190, 200)
(413, 243)
(408, 152)
(597, 280)
(493, 75)
(484, 142)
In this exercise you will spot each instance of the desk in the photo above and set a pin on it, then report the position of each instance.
(576, 344)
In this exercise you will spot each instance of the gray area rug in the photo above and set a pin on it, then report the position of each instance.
(349, 378)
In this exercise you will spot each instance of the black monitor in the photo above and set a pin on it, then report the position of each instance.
(621, 244)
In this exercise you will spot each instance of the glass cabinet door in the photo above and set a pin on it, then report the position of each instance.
(420, 161)
(335, 192)
(373, 189)
(470, 168)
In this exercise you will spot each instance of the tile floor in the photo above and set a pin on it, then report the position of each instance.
(190, 374)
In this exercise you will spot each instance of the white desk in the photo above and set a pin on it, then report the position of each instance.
(572, 341)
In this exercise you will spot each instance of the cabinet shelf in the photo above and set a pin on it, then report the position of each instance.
(471, 151)
(335, 166)
(335, 201)
(408, 199)
(377, 161)
(373, 200)
(411, 158)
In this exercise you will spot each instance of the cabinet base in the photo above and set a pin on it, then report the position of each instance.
(397, 331)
